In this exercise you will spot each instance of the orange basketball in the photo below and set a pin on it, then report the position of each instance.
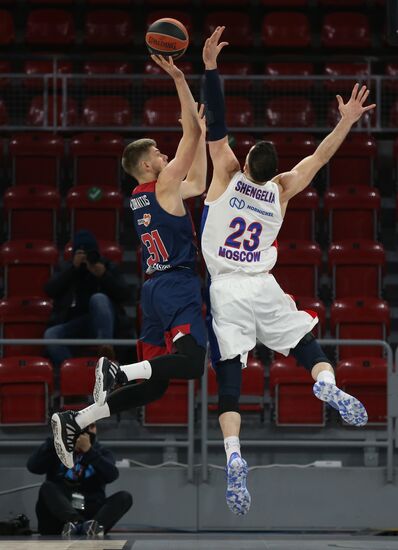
(167, 37)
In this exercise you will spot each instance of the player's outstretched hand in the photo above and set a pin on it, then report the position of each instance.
(202, 118)
(354, 108)
(168, 66)
(212, 48)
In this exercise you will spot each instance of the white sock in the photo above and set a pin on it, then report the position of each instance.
(91, 414)
(231, 445)
(136, 371)
(326, 376)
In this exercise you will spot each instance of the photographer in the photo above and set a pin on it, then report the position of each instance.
(88, 294)
(73, 502)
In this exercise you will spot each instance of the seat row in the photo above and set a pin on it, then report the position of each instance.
(26, 390)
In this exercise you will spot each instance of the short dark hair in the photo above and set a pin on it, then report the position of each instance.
(133, 152)
(263, 161)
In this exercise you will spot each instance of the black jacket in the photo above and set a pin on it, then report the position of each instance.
(71, 289)
(96, 468)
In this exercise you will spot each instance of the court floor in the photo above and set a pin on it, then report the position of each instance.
(206, 541)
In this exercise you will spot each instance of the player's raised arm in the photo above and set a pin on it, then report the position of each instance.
(172, 175)
(304, 172)
(225, 163)
(195, 182)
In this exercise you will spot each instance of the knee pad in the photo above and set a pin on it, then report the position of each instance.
(229, 379)
(187, 345)
(228, 403)
(308, 352)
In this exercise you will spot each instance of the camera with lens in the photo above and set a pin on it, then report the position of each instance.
(93, 256)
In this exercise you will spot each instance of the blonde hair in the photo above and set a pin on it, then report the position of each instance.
(133, 153)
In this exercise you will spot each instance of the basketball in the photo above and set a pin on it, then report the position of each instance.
(167, 37)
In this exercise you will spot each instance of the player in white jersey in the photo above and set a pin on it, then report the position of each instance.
(242, 217)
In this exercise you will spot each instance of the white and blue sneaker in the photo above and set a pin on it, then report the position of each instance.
(237, 495)
(350, 408)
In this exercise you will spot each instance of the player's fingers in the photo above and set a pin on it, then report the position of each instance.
(354, 91)
(361, 93)
(369, 107)
(364, 97)
(340, 100)
(201, 110)
(222, 44)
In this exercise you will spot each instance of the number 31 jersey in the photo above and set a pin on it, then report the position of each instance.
(239, 229)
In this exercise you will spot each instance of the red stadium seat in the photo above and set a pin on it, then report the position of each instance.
(391, 70)
(3, 113)
(225, 3)
(349, 30)
(96, 209)
(27, 266)
(241, 145)
(285, 3)
(184, 17)
(308, 303)
(167, 142)
(291, 148)
(100, 68)
(239, 111)
(32, 212)
(286, 30)
(107, 111)
(290, 112)
(52, 2)
(360, 319)
(360, 72)
(287, 69)
(40, 114)
(166, 3)
(5, 67)
(299, 220)
(164, 84)
(37, 68)
(354, 161)
(108, 249)
(109, 2)
(108, 28)
(36, 158)
(50, 26)
(236, 68)
(352, 212)
(161, 111)
(341, 3)
(366, 378)
(77, 377)
(356, 267)
(24, 318)
(171, 409)
(367, 120)
(291, 388)
(238, 31)
(26, 385)
(393, 115)
(7, 30)
(297, 267)
(96, 158)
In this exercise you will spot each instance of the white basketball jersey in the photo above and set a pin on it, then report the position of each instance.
(239, 229)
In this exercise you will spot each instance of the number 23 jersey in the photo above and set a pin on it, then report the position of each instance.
(239, 229)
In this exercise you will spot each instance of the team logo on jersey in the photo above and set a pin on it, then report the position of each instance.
(237, 203)
(145, 220)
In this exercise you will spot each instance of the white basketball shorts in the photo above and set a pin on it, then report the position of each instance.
(246, 308)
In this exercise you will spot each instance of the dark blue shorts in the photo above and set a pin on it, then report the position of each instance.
(172, 302)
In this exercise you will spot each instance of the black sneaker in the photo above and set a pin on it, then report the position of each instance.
(107, 375)
(92, 528)
(66, 430)
(71, 529)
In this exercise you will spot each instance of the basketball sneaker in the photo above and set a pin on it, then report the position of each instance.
(66, 430)
(107, 376)
(71, 529)
(237, 495)
(92, 528)
(350, 408)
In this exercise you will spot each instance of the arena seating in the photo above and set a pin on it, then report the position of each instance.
(310, 303)
(36, 68)
(358, 70)
(291, 148)
(299, 220)
(167, 142)
(359, 150)
(182, 16)
(47, 27)
(26, 384)
(7, 30)
(241, 144)
(109, 249)
(92, 68)
(38, 115)
(238, 30)
(239, 111)
(171, 409)
(286, 30)
(77, 377)
(5, 67)
(289, 111)
(3, 113)
(236, 68)
(285, 3)
(286, 69)
(108, 28)
(161, 111)
(164, 84)
(107, 111)
(348, 30)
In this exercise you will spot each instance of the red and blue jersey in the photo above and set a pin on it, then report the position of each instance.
(167, 241)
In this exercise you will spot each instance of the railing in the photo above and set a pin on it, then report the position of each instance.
(58, 102)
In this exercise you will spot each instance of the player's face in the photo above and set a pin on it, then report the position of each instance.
(158, 160)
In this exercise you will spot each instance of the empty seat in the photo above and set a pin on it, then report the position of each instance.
(7, 30)
(27, 266)
(291, 148)
(294, 401)
(164, 84)
(366, 378)
(77, 377)
(53, 112)
(276, 69)
(167, 142)
(161, 111)
(286, 30)
(108, 249)
(238, 31)
(359, 72)
(96, 158)
(24, 318)
(50, 27)
(236, 68)
(3, 113)
(119, 68)
(348, 30)
(299, 220)
(171, 409)
(5, 67)
(313, 305)
(358, 152)
(36, 158)
(297, 267)
(239, 111)
(32, 212)
(184, 17)
(108, 28)
(241, 145)
(35, 69)
(289, 112)
(26, 386)
(352, 212)
(391, 70)
(107, 111)
(360, 319)
(367, 120)
(356, 267)
(96, 209)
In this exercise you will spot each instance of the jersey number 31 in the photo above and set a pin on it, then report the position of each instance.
(155, 246)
